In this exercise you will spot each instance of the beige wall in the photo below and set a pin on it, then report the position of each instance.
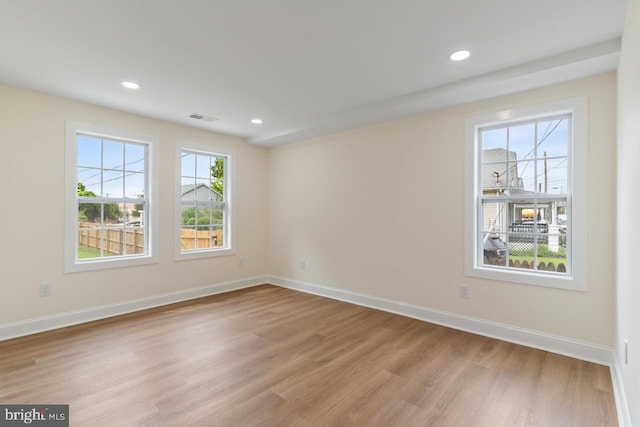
(32, 147)
(379, 211)
(628, 233)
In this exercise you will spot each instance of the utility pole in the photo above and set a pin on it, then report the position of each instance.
(545, 171)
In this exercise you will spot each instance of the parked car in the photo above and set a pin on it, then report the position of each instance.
(494, 247)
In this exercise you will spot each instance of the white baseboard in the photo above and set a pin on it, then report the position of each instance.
(42, 324)
(624, 417)
(552, 343)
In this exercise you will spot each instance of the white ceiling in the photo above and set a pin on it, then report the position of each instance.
(306, 67)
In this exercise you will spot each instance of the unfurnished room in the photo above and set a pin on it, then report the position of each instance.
(305, 213)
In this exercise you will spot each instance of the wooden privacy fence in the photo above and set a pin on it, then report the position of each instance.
(201, 239)
(550, 266)
(89, 235)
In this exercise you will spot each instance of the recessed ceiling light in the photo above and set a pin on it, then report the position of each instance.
(459, 55)
(130, 85)
(256, 121)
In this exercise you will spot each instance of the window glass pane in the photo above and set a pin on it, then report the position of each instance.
(203, 166)
(549, 209)
(188, 164)
(552, 176)
(135, 239)
(112, 213)
(188, 188)
(553, 137)
(203, 190)
(512, 179)
(188, 182)
(89, 181)
(134, 185)
(89, 238)
(217, 217)
(195, 214)
(522, 141)
(196, 223)
(561, 215)
(552, 251)
(188, 215)
(494, 216)
(113, 240)
(113, 155)
(217, 185)
(134, 158)
(136, 212)
(494, 139)
(520, 246)
(494, 155)
(217, 177)
(218, 236)
(524, 176)
(494, 249)
(204, 214)
(494, 178)
(126, 210)
(112, 184)
(89, 151)
(89, 213)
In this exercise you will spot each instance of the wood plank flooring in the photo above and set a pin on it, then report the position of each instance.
(268, 356)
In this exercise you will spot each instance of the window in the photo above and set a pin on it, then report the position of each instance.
(109, 199)
(204, 203)
(526, 195)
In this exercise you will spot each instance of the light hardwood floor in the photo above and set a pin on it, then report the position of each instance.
(268, 356)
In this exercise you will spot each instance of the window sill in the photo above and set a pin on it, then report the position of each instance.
(107, 263)
(548, 280)
(204, 253)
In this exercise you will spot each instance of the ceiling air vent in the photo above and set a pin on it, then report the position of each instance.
(202, 117)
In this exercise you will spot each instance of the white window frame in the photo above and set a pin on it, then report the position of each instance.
(71, 262)
(576, 276)
(228, 212)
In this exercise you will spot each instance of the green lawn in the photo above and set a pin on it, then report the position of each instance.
(85, 252)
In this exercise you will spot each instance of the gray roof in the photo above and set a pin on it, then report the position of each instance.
(192, 187)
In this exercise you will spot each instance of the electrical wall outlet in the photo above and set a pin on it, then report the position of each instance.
(46, 289)
(241, 262)
(303, 264)
(465, 292)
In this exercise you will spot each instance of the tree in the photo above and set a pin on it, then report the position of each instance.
(206, 216)
(92, 211)
(82, 191)
(138, 207)
(217, 172)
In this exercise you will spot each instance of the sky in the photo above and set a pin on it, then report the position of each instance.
(125, 163)
(113, 168)
(552, 138)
